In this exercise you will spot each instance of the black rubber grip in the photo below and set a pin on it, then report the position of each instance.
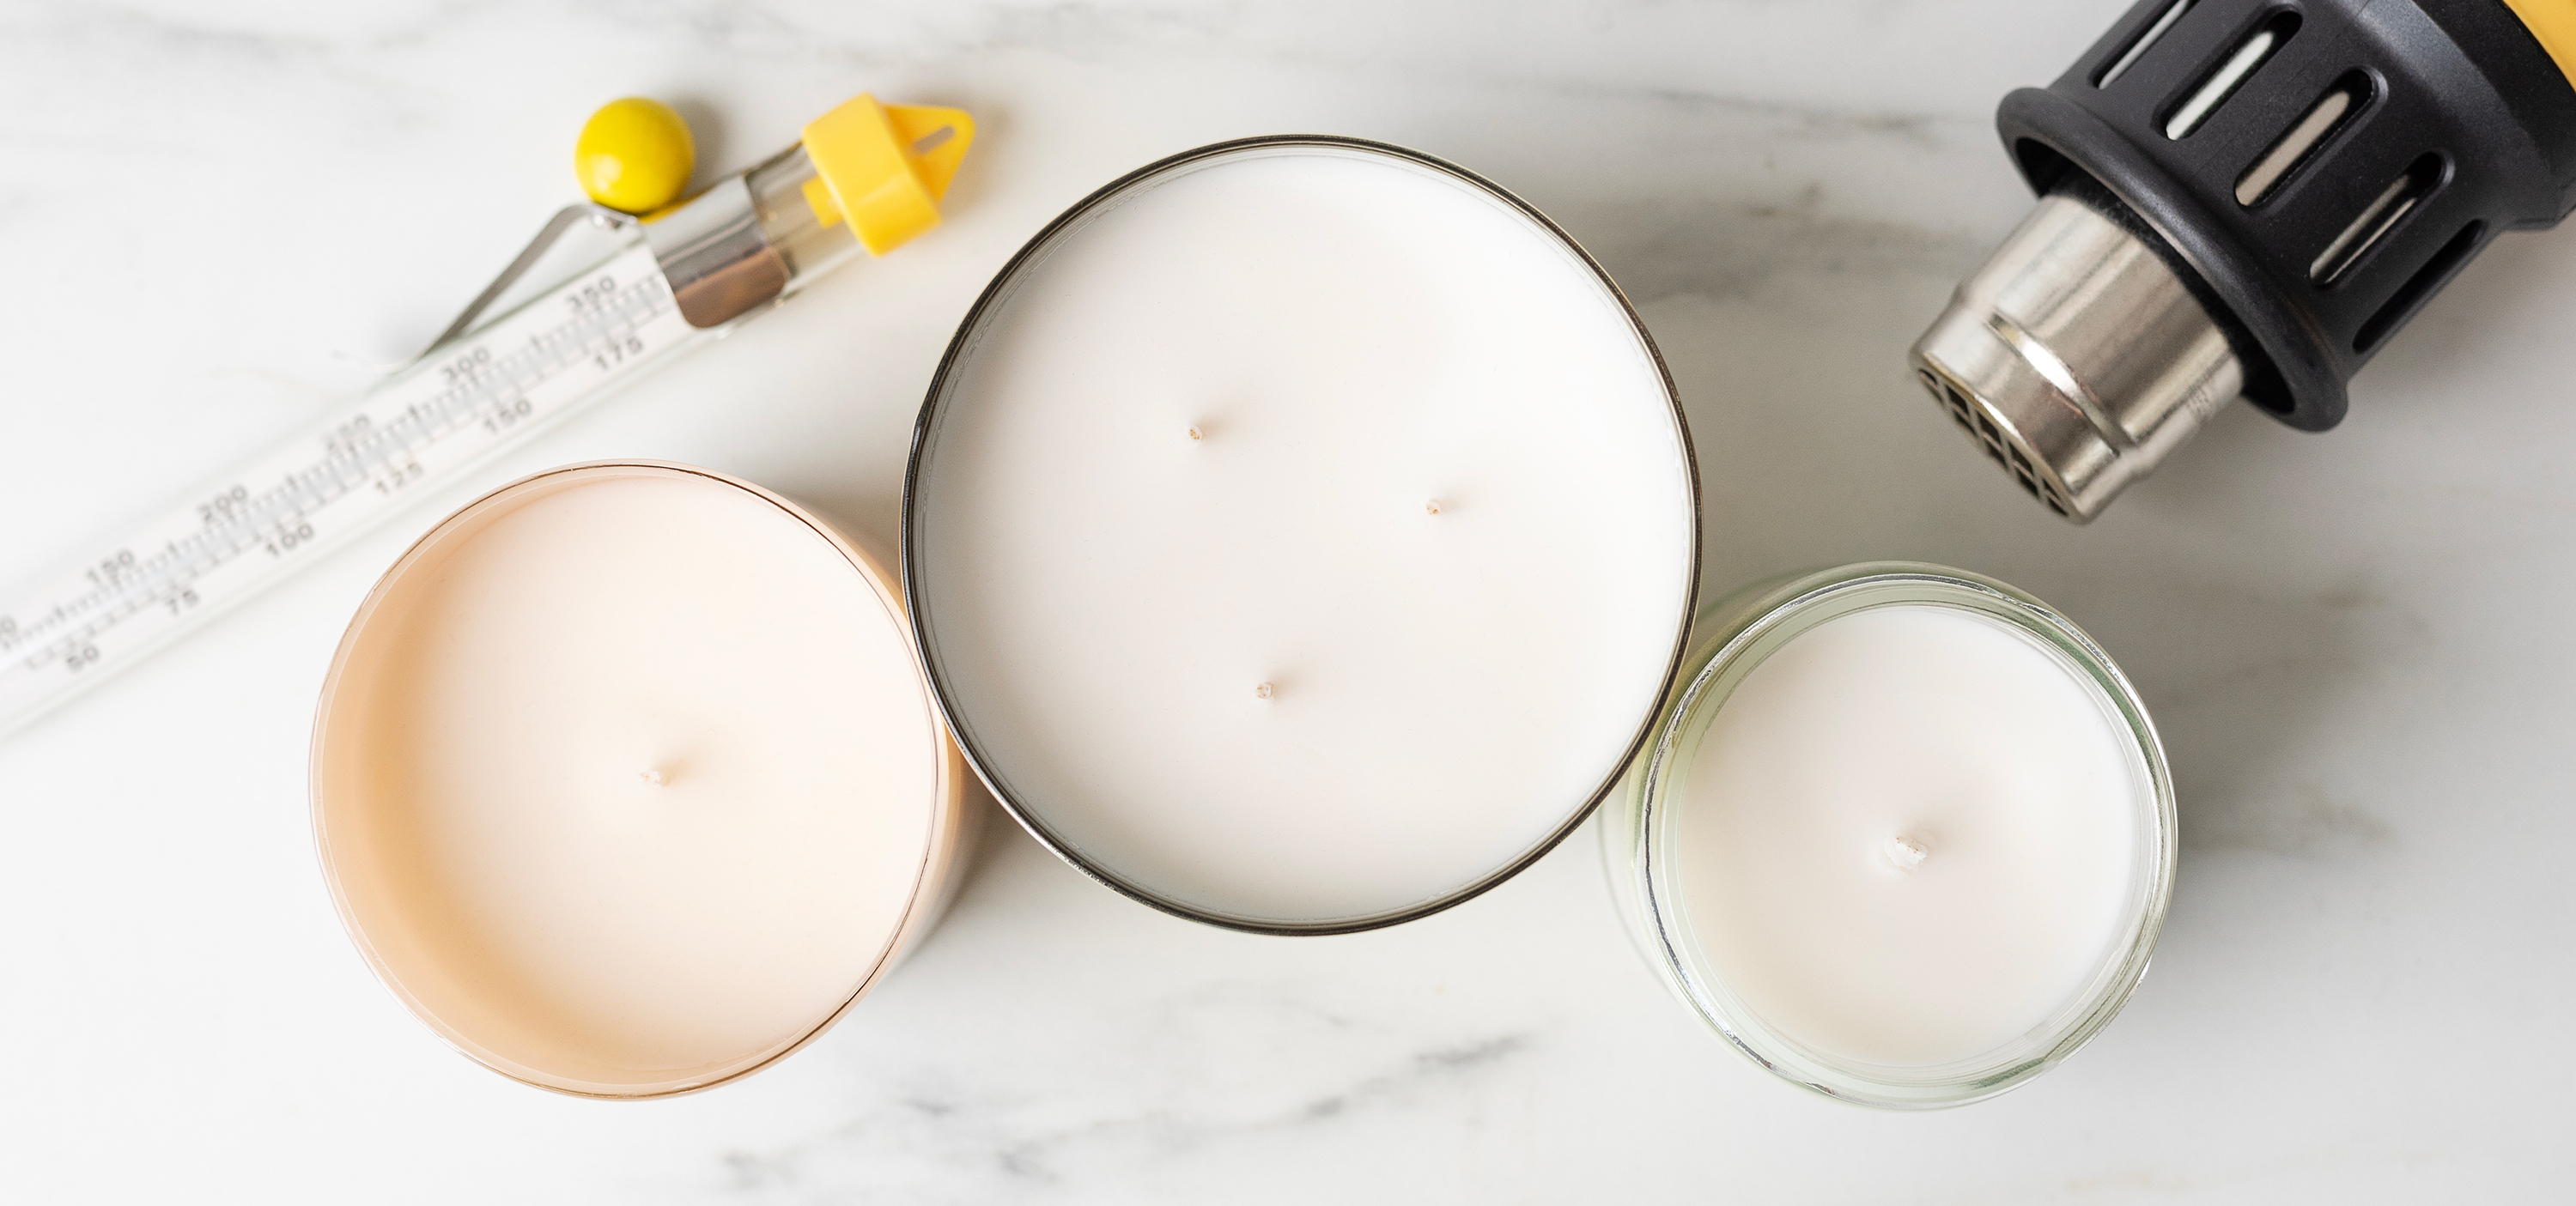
(2460, 126)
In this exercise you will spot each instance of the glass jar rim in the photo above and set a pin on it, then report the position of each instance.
(1741, 633)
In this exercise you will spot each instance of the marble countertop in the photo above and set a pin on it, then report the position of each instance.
(219, 218)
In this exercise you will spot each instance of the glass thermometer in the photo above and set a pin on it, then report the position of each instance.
(864, 175)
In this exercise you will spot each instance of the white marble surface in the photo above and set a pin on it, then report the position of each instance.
(216, 218)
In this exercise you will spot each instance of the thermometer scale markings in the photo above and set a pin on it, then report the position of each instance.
(438, 417)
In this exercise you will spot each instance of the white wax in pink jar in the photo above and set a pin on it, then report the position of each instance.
(628, 782)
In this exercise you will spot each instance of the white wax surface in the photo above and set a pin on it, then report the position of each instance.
(1974, 743)
(1354, 342)
(488, 790)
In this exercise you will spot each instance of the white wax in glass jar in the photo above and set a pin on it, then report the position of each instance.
(628, 782)
(1306, 537)
(1910, 836)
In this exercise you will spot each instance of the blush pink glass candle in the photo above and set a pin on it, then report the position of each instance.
(627, 782)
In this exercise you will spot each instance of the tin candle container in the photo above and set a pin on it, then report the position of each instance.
(1904, 837)
(626, 783)
(1301, 533)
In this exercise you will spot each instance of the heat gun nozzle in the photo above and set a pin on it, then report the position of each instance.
(2077, 357)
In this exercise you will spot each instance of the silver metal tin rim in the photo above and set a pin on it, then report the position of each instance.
(960, 345)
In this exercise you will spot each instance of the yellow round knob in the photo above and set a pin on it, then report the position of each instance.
(634, 155)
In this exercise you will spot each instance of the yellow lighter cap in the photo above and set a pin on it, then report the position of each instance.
(884, 167)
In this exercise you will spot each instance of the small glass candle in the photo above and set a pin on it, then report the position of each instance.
(1904, 837)
(627, 783)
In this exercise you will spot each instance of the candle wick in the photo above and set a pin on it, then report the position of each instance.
(1433, 506)
(654, 776)
(1906, 853)
(1195, 434)
(1261, 691)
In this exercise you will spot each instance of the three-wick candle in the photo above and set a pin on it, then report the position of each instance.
(1301, 534)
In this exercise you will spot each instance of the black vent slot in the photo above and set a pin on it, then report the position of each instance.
(2385, 213)
(2419, 286)
(2230, 74)
(2297, 146)
(2138, 46)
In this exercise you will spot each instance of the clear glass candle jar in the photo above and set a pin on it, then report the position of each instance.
(1652, 875)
